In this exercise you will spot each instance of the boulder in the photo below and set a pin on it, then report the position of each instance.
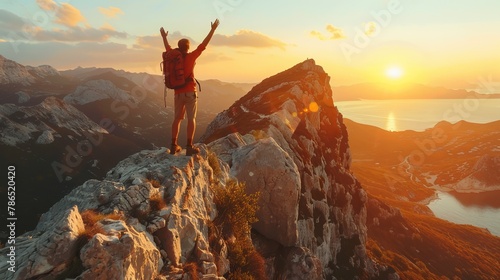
(269, 170)
(53, 252)
(120, 253)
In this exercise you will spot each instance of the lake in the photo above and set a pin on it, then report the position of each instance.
(473, 209)
(481, 210)
(419, 114)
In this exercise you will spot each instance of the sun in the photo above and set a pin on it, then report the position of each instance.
(394, 72)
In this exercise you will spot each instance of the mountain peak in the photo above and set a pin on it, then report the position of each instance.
(295, 109)
(301, 72)
(12, 72)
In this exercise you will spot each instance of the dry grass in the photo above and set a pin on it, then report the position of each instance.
(155, 183)
(90, 219)
(156, 202)
(191, 270)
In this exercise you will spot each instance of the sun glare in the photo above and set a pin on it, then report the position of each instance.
(394, 72)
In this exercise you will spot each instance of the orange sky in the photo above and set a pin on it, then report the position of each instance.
(453, 44)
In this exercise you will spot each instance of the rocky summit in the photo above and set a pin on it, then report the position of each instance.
(151, 216)
(286, 139)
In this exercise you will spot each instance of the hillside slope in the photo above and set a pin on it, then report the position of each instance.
(402, 231)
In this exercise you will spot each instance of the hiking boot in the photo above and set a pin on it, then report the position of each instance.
(175, 149)
(190, 150)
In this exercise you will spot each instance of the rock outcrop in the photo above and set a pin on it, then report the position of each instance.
(144, 240)
(152, 212)
(286, 139)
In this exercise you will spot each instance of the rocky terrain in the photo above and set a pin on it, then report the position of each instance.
(61, 128)
(285, 140)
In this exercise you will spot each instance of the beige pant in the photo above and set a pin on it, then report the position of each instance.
(186, 103)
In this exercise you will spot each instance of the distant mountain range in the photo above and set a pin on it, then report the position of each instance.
(463, 157)
(380, 91)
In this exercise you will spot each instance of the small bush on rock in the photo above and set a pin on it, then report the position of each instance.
(236, 212)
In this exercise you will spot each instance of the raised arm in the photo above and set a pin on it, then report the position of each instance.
(164, 36)
(211, 33)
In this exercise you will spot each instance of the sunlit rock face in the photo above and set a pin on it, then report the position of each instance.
(287, 140)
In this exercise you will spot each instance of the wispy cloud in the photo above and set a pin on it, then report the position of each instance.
(371, 28)
(77, 34)
(10, 22)
(247, 38)
(69, 15)
(13, 27)
(111, 12)
(85, 54)
(47, 5)
(334, 33)
(155, 41)
(66, 14)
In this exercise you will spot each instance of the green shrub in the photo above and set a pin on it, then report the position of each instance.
(236, 209)
(236, 212)
(213, 161)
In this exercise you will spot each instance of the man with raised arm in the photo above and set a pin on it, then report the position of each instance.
(185, 98)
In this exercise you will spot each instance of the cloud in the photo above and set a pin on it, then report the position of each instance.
(156, 42)
(371, 28)
(10, 22)
(318, 35)
(77, 34)
(14, 29)
(65, 13)
(247, 38)
(107, 26)
(111, 12)
(147, 42)
(68, 15)
(47, 5)
(63, 55)
(335, 33)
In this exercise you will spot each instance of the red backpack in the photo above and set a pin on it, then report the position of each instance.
(172, 67)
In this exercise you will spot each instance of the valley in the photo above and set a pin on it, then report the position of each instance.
(401, 172)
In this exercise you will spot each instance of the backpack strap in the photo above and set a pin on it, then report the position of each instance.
(199, 86)
(165, 95)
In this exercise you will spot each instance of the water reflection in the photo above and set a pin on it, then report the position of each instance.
(482, 200)
(470, 209)
(390, 125)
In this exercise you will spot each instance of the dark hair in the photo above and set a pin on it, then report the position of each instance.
(183, 45)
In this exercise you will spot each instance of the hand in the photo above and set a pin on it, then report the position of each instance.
(163, 34)
(215, 24)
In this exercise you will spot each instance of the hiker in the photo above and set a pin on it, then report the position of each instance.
(185, 96)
